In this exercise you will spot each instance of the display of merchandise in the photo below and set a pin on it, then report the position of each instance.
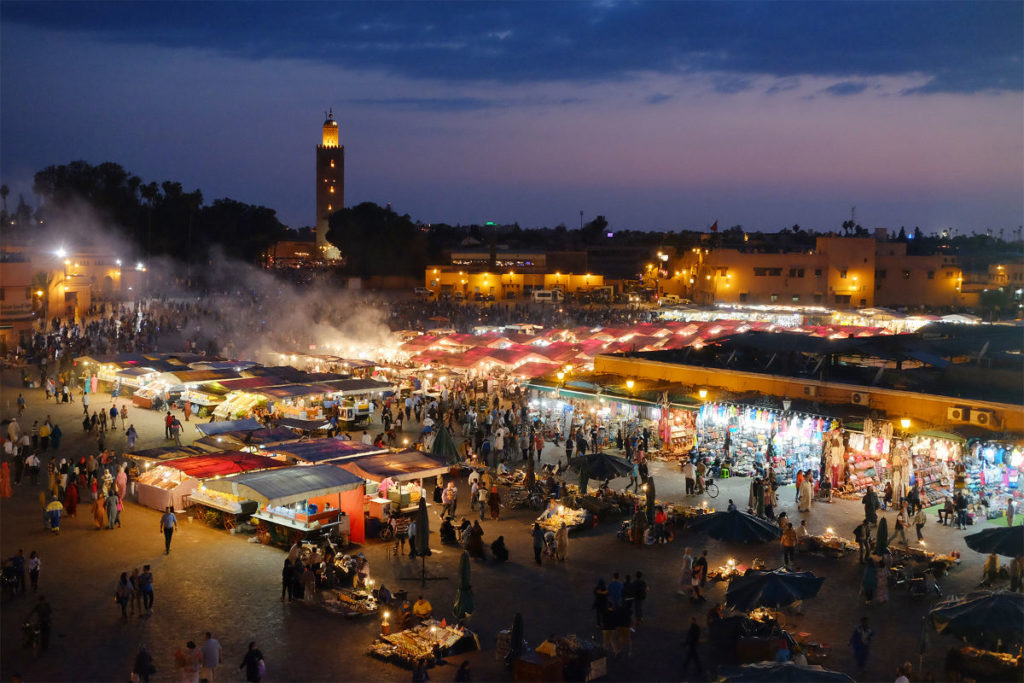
(420, 642)
(795, 438)
(867, 461)
(994, 468)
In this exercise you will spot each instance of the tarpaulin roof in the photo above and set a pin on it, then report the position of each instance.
(293, 390)
(349, 387)
(247, 383)
(220, 464)
(287, 485)
(323, 450)
(213, 428)
(258, 437)
(167, 452)
(303, 425)
(401, 466)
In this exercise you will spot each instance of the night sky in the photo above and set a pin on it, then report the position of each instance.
(657, 115)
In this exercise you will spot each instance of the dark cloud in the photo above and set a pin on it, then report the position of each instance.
(959, 46)
(847, 88)
(428, 103)
(658, 98)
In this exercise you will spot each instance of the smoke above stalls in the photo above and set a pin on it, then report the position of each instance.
(249, 313)
(230, 308)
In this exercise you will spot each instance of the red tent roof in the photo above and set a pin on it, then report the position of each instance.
(219, 464)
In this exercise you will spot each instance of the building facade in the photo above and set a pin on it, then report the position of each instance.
(840, 272)
(330, 183)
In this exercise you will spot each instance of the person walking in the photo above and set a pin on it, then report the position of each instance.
(600, 600)
(901, 525)
(788, 544)
(146, 586)
(253, 664)
(561, 542)
(482, 497)
(1009, 512)
(123, 594)
(168, 525)
(860, 641)
(110, 503)
(920, 519)
(639, 595)
(691, 643)
(494, 503)
(211, 651)
(686, 575)
(191, 663)
(538, 542)
(143, 667)
(34, 564)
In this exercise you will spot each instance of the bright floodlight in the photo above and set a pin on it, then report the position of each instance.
(139, 266)
(61, 253)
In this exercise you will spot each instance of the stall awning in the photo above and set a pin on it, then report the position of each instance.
(293, 390)
(261, 438)
(303, 425)
(214, 428)
(356, 387)
(167, 453)
(325, 450)
(287, 485)
(401, 466)
(221, 464)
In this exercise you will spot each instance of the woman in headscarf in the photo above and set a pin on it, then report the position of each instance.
(71, 499)
(561, 542)
(806, 493)
(494, 502)
(99, 514)
(121, 482)
(476, 540)
(5, 481)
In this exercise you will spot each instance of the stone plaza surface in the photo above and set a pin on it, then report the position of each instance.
(214, 581)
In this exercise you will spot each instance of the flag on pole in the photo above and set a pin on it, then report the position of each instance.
(714, 227)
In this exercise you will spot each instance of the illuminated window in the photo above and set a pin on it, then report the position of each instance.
(931, 274)
(329, 207)
(842, 273)
(332, 189)
(332, 163)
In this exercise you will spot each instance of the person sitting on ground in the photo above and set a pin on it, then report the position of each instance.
(990, 573)
(422, 609)
(732, 506)
(448, 535)
(499, 550)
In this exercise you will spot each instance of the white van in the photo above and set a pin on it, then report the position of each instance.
(669, 300)
(549, 296)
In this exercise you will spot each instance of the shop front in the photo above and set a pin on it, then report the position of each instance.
(753, 436)
(393, 480)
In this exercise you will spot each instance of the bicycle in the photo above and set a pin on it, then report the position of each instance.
(711, 488)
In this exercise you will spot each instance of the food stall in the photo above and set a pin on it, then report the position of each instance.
(171, 482)
(402, 471)
(297, 501)
(352, 398)
(556, 514)
(423, 641)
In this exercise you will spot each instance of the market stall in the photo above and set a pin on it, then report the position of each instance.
(393, 479)
(297, 501)
(170, 483)
(994, 467)
(149, 457)
(424, 642)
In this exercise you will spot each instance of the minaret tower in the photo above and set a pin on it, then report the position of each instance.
(330, 183)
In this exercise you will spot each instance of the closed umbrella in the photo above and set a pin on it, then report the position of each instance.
(776, 588)
(516, 638)
(422, 539)
(882, 545)
(780, 672)
(443, 447)
(463, 606)
(584, 478)
(982, 618)
(735, 526)
(1007, 541)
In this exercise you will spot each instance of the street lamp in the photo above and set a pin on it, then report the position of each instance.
(905, 423)
(703, 393)
(629, 384)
